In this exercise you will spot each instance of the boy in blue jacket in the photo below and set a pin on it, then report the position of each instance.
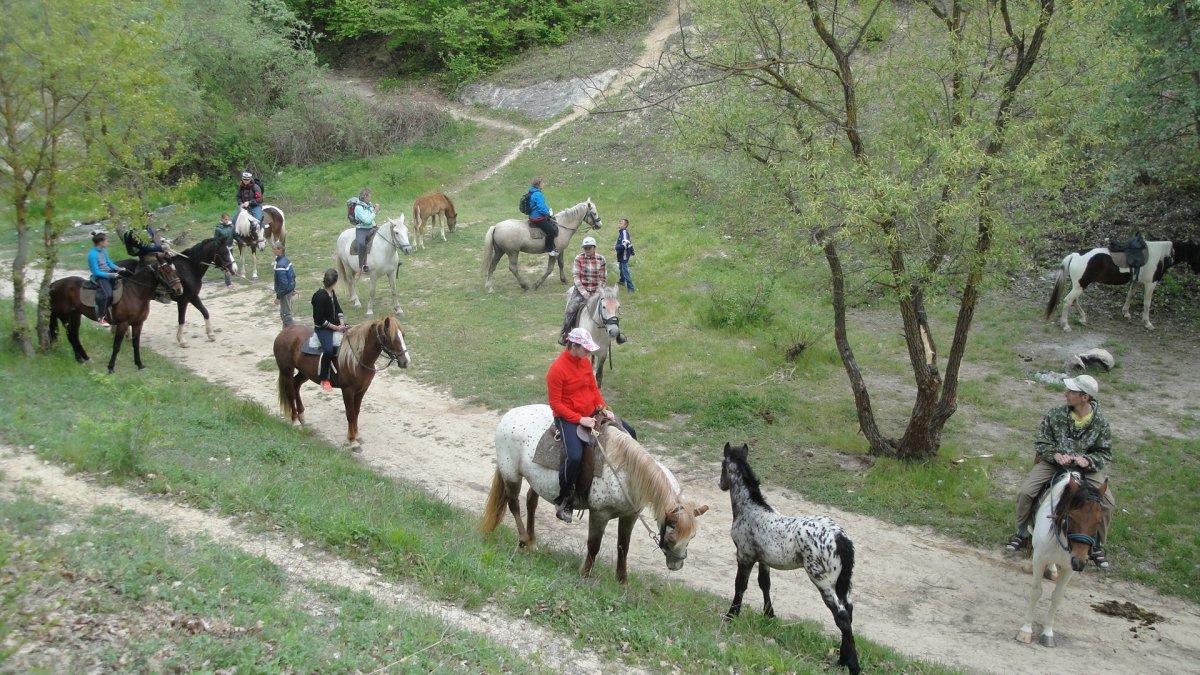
(285, 284)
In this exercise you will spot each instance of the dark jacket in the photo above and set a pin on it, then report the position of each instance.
(148, 244)
(224, 233)
(326, 309)
(285, 277)
(252, 193)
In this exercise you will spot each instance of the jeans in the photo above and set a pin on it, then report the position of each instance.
(104, 293)
(625, 278)
(568, 473)
(285, 310)
(360, 237)
(325, 335)
(550, 227)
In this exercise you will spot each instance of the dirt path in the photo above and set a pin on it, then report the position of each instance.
(300, 564)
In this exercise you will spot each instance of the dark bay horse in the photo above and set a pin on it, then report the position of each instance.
(132, 310)
(515, 236)
(764, 536)
(425, 215)
(191, 266)
(1084, 268)
(362, 346)
(631, 481)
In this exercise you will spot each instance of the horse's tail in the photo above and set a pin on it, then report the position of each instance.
(489, 249)
(282, 225)
(284, 388)
(1060, 280)
(496, 501)
(844, 614)
(343, 271)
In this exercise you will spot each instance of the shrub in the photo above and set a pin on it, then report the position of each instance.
(741, 306)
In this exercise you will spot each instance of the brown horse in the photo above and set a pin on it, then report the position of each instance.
(66, 306)
(362, 346)
(425, 215)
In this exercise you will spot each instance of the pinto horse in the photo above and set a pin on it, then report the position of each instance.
(191, 266)
(138, 290)
(361, 348)
(1065, 529)
(601, 316)
(1083, 268)
(631, 481)
(425, 215)
(764, 536)
(254, 234)
(513, 237)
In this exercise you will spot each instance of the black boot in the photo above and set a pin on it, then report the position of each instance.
(562, 510)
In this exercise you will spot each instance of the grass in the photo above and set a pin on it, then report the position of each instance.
(138, 598)
(286, 479)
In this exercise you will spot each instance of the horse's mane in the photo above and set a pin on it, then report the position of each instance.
(194, 250)
(648, 484)
(353, 344)
(750, 479)
(570, 212)
(1083, 494)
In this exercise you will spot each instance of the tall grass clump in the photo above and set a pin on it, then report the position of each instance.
(740, 305)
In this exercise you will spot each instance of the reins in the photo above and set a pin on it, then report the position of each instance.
(393, 356)
(1062, 523)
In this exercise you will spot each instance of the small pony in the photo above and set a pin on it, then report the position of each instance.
(601, 317)
(764, 536)
(1064, 532)
(425, 215)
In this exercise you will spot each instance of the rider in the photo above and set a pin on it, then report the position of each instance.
(250, 195)
(327, 318)
(223, 233)
(1072, 437)
(104, 271)
(364, 222)
(574, 398)
(590, 273)
(541, 215)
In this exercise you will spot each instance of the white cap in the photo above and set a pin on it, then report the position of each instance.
(246, 175)
(588, 241)
(1085, 383)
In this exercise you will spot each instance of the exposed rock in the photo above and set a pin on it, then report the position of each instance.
(1092, 357)
(540, 101)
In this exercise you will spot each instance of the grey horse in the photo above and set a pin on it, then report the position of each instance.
(512, 237)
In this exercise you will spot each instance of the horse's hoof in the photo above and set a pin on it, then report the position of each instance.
(141, 367)
(254, 276)
(355, 447)
(1046, 640)
(110, 371)
(1025, 637)
(212, 338)
(183, 345)
(370, 312)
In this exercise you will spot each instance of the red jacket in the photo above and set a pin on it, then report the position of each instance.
(572, 388)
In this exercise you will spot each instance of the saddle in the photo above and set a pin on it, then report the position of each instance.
(370, 238)
(87, 293)
(551, 453)
(536, 232)
(1131, 255)
(313, 345)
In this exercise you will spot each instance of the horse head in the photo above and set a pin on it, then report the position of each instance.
(391, 341)
(398, 234)
(164, 270)
(608, 311)
(1078, 518)
(592, 217)
(676, 530)
(221, 256)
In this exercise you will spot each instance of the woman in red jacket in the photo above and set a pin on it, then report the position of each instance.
(574, 398)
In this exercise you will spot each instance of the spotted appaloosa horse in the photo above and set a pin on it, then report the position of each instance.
(764, 536)
(1064, 532)
(1084, 268)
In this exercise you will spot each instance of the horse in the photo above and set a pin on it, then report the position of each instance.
(254, 234)
(764, 536)
(191, 266)
(1065, 528)
(631, 481)
(361, 347)
(1084, 268)
(601, 316)
(515, 236)
(138, 290)
(426, 211)
(383, 259)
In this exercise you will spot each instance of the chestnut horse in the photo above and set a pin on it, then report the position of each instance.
(631, 481)
(137, 292)
(355, 362)
(425, 215)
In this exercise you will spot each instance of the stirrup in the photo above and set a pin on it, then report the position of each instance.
(1016, 543)
(1097, 556)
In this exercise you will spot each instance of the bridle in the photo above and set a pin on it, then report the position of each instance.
(393, 355)
(1064, 524)
(392, 239)
(592, 217)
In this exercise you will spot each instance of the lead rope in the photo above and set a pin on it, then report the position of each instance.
(641, 518)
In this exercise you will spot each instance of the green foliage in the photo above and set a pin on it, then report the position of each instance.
(741, 305)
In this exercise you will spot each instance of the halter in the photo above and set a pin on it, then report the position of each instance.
(391, 240)
(392, 355)
(153, 268)
(1090, 495)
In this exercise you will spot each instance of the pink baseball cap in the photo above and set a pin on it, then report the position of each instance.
(582, 337)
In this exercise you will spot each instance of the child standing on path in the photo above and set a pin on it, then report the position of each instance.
(285, 284)
(224, 234)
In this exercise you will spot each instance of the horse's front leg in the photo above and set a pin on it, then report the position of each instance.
(624, 531)
(512, 267)
(442, 227)
(1146, 298)
(254, 262)
(764, 583)
(395, 296)
(208, 331)
(531, 504)
(739, 587)
(1025, 634)
(1060, 589)
(561, 275)
(352, 399)
(596, 526)
(549, 269)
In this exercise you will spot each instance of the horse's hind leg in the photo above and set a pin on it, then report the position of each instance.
(764, 583)
(531, 504)
(739, 587)
(81, 355)
(297, 404)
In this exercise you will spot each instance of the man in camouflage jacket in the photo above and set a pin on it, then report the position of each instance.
(1076, 437)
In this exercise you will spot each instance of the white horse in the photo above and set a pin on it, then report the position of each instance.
(631, 481)
(1064, 532)
(601, 316)
(1096, 266)
(254, 233)
(390, 239)
(514, 236)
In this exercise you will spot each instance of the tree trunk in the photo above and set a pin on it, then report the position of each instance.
(50, 242)
(20, 333)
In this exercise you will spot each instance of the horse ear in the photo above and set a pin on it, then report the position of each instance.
(1103, 488)
(700, 510)
(727, 448)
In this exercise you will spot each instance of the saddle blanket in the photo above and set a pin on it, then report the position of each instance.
(1121, 260)
(313, 344)
(87, 293)
(550, 453)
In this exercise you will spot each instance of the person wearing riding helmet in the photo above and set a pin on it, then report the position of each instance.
(250, 195)
(541, 215)
(590, 272)
(574, 398)
(1073, 437)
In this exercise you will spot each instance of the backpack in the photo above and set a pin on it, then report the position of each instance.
(524, 206)
(132, 246)
(350, 205)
